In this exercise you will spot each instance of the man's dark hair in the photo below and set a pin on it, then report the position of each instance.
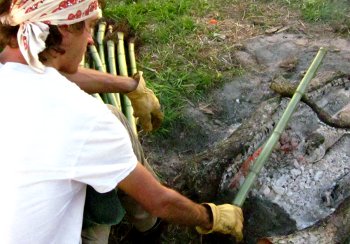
(6, 32)
(4, 6)
(9, 33)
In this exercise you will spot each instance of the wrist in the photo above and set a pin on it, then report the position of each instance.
(208, 223)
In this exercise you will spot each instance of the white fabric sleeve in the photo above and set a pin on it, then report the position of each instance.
(107, 156)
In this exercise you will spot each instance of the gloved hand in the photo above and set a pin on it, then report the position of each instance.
(227, 219)
(146, 105)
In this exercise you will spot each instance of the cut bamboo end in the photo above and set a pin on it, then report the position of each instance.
(101, 32)
(132, 58)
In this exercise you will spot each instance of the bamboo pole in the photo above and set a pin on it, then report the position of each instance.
(121, 55)
(96, 58)
(98, 65)
(128, 110)
(85, 64)
(111, 63)
(101, 55)
(99, 38)
(132, 57)
(106, 97)
(271, 142)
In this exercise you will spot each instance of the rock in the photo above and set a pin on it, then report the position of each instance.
(289, 64)
(318, 175)
(295, 172)
(245, 59)
(278, 189)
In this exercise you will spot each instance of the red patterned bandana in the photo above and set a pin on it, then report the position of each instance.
(33, 17)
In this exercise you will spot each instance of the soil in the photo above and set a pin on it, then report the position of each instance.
(299, 184)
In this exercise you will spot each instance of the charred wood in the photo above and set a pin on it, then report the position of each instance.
(203, 172)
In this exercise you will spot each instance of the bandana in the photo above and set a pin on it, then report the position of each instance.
(34, 16)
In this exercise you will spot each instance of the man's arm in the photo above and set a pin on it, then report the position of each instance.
(164, 202)
(93, 81)
(145, 104)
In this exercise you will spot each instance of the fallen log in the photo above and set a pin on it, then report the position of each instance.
(209, 165)
(333, 229)
(286, 89)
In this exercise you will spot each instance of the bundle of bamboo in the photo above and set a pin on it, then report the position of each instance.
(107, 39)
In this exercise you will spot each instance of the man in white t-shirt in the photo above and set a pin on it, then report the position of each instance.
(56, 139)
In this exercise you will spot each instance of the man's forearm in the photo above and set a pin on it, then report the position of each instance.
(170, 205)
(181, 210)
(164, 202)
(93, 81)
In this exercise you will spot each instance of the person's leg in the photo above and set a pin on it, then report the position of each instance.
(95, 234)
(135, 214)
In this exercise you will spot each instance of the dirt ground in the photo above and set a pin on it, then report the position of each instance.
(297, 183)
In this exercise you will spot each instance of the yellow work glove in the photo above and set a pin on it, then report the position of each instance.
(227, 219)
(146, 105)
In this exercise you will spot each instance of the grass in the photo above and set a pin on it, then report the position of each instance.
(325, 10)
(171, 57)
(180, 51)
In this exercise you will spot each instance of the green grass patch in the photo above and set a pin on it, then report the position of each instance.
(334, 13)
(324, 10)
(170, 57)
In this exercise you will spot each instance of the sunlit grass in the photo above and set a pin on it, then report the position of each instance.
(170, 56)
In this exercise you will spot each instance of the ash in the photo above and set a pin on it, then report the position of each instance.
(298, 186)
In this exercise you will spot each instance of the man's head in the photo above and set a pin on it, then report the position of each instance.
(41, 28)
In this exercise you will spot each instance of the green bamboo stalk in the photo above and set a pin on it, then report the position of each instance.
(132, 57)
(106, 97)
(128, 110)
(112, 64)
(84, 63)
(96, 58)
(96, 95)
(98, 64)
(87, 65)
(271, 142)
(99, 38)
(121, 55)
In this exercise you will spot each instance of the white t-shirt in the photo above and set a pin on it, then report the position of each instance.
(54, 139)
